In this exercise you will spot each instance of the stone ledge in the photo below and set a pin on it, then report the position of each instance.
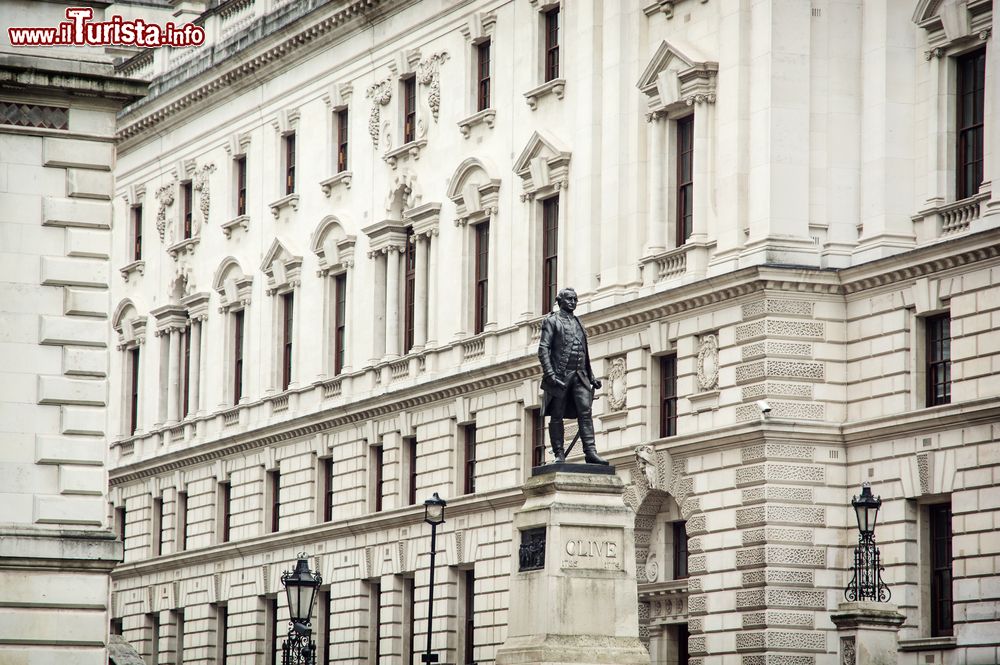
(411, 150)
(928, 644)
(485, 117)
(65, 549)
(288, 201)
(342, 178)
(240, 221)
(555, 87)
(137, 267)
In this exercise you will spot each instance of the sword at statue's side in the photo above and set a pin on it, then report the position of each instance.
(577, 436)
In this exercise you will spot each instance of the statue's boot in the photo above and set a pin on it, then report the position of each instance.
(589, 445)
(556, 439)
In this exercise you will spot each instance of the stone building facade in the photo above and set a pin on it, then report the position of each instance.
(337, 228)
(57, 548)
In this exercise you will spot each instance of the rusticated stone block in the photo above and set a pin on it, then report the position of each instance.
(780, 639)
(754, 557)
(78, 153)
(88, 420)
(62, 271)
(69, 450)
(80, 361)
(76, 212)
(778, 577)
(776, 472)
(697, 604)
(88, 184)
(778, 493)
(776, 451)
(778, 659)
(779, 514)
(88, 243)
(63, 330)
(63, 390)
(764, 535)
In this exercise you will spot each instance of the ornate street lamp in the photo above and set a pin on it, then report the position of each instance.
(301, 586)
(433, 515)
(867, 582)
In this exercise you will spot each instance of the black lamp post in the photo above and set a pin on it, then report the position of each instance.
(301, 586)
(433, 515)
(867, 582)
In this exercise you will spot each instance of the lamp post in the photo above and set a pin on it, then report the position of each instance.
(867, 582)
(433, 515)
(301, 586)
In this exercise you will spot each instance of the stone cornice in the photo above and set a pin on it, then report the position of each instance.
(921, 261)
(137, 119)
(383, 523)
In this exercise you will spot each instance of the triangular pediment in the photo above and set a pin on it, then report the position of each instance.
(539, 145)
(673, 55)
(275, 253)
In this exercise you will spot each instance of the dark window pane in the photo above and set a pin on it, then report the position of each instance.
(938, 359)
(685, 178)
(970, 95)
(941, 569)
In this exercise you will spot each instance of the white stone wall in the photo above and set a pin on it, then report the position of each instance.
(810, 155)
(56, 184)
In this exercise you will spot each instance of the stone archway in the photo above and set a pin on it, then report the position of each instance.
(656, 494)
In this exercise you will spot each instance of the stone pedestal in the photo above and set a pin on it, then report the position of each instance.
(573, 586)
(869, 633)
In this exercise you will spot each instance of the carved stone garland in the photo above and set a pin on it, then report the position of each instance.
(165, 196)
(380, 93)
(201, 185)
(617, 389)
(429, 73)
(708, 363)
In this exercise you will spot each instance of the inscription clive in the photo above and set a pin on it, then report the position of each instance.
(604, 549)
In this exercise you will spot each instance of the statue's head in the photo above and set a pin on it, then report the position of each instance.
(567, 299)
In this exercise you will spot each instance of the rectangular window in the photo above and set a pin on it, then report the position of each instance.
(187, 200)
(157, 526)
(325, 632)
(274, 629)
(482, 274)
(470, 616)
(225, 500)
(970, 113)
(137, 233)
(179, 625)
(290, 163)
(342, 126)
(409, 109)
(685, 178)
(375, 623)
(550, 252)
(237, 356)
(938, 338)
(680, 550)
(682, 643)
(241, 185)
(116, 627)
(185, 381)
(181, 520)
(120, 525)
(154, 637)
(552, 44)
(409, 619)
(410, 445)
(133, 401)
(483, 75)
(537, 438)
(668, 395)
(409, 290)
(469, 436)
(377, 461)
(287, 311)
(339, 322)
(941, 575)
(274, 491)
(328, 489)
(221, 634)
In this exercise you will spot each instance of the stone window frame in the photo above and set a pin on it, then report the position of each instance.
(475, 192)
(131, 333)
(480, 28)
(926, 298)
(135, 199)
(678, 84)
(283, 276)
(285, 124)
(337, 100)
(238, 148)
(235, 295)
(543, 167)
(334, 248)
(545, 87)
(949, 35)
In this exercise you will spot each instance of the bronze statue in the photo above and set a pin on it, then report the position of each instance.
(567, 378)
